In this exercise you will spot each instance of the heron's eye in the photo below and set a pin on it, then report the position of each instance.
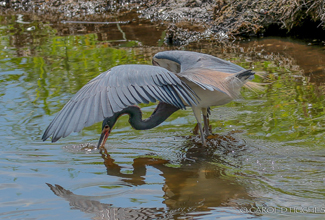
(106, 126)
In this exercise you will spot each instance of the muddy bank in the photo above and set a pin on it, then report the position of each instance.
(190, 20)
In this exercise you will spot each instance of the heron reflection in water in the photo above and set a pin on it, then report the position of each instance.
(177, 79)
(188, 190)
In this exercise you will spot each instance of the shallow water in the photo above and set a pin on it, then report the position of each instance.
(267, 160)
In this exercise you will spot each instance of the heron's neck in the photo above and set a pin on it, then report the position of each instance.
(161, 113)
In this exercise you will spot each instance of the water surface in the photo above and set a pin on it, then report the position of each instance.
(266, 161)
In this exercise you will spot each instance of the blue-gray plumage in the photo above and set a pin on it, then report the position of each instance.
(177, 79)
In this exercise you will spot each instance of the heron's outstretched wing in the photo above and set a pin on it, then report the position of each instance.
(212, 73)
(206, 71)
(114, 90)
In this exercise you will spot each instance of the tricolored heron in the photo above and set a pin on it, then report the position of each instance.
(177, 79)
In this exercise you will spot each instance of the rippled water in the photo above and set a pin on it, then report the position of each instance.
(267, 160)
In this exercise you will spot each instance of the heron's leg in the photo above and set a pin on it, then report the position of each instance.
(197, 115)
(202, 134)
(206, 121)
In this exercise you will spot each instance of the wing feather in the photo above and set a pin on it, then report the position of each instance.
(128, 95)
(156, 80)
(122, 96)
(114, 105)
(162, 80)
(99, 112)
(114, 90)
(116, 98)
(183, 95)
(71, 121)
(177, 97)
(141, 94)
(62, 120)
(155, 94)
(170, 79)
(170, 94)
(149, 94)
(134, 94)
(166, 95)
(104, 99)
(82, 119)
(77, 115)
(90, 116)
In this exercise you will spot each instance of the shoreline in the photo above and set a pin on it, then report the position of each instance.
(188, 21)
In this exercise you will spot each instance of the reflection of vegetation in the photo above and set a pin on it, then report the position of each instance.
(63, 64)
(290, 110)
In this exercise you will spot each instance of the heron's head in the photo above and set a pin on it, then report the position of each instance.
(107, 126)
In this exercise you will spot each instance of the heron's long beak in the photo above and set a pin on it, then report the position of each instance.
(103, 137)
